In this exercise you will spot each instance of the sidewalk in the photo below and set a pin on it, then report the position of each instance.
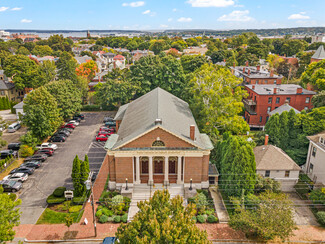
(219, 206)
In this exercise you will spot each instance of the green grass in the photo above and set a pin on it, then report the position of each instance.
(52, 217)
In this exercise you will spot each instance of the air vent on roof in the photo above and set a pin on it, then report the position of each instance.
(158, 121)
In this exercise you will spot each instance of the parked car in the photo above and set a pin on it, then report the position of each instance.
(63, 133)
(47, 151)
(36, 157)
(11, 185)
(13, 127)
(70, 130)
(93, 177)
(103, 128)
(47, 145)
(22, 170)
(105, 133)
(106, 119)
(76, 118)
(57, 138)
(81, 116)
(32, 164)
(74, 122)
(102, 137)
(110, 123)
(6, 153)
(21, 177)
(68, 125)
(15, 146)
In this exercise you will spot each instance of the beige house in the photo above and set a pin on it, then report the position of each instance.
(272, 162)
(7, 89)
(315, 164)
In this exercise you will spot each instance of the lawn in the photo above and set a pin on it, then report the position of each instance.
(14, 165)
(52, 217)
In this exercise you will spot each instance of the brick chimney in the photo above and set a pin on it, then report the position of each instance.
(192, 132)
(271, 73)
(246, 63)
(234, 65)
(249, 72)
(224, 60)
(258, 68)
(299, 90)
(275, 90)
(253, 87)
(266, 139)
(244, 69)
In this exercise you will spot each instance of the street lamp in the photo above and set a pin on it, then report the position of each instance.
(126, 184)
(89, 186)
(191, 185)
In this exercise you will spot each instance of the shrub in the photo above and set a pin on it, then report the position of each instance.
(201, 202)
(209, 212)
(110, 219)
(124, 218)
(12, 196)
(64, 206)
(25, 151)
(201, 219)
(100, 207)
(117, 199)
(105, 195)
(59, 192)
(107, 212)
(212, 219)
(91, 108)
(321, 217)
(79, 200)
(117, 219)
(103, 219)
(54, 200)
(194, 218)
(99, 213)
(75, 209)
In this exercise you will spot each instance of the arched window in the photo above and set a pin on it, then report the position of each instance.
(158, 143)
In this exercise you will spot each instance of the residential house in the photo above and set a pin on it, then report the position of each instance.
(8, 89)
(274, 163)
(319, 55)
(109, 57)
(263, 99)
(283, 108)
(137, 54)
(195, 50)
(83, 59)
(315, 163)
(19, 109)
(118, 63)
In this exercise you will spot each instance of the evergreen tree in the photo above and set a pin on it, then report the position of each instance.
(2, 107)
(83, 176)
(75, 175)
(87, 163)
(272, 128)
(284, 130)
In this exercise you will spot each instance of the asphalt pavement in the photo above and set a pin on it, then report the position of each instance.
(56, 170)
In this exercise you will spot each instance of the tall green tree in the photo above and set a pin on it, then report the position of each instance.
(67, 67)
(315, 75)
(159, 45)
(9, 216)
(42, 50)
(284, 129)
(272, 128)
(46, 72)
(162, 220)
(41, 113)
(319, 99)
(87, 163)
(67, 96)
(192, 62)
(216, 100)
(77, 177)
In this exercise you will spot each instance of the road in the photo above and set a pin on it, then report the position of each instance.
(56, 170)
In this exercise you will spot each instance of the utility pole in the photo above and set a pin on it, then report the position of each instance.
(89, 186)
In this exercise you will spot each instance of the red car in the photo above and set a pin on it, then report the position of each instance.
(102, 137)
(72, 126)
(105, 133)
(47, 151)
(106, 129)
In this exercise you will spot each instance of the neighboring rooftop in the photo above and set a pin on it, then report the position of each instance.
(283, 108)
(174, 116)
(255, 72)
(320, 53)
(6, 85)
(316, 139)
(284, 89)
(269, 157)
(83, 59)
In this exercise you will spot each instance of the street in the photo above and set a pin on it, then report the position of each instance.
(56, 170)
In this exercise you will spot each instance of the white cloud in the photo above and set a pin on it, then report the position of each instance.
(170, 19)
(239, 6)
(16, 9)
(301, 15)
(210, 3)
(2, 9)
(133, 4)
(148, 12)
(184, 19)
(174, 9)
(26, 21)
(164, 26)
(236, 16)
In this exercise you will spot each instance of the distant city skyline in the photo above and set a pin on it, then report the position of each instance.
(160, 14)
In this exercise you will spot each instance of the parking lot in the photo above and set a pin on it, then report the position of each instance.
(56, 170)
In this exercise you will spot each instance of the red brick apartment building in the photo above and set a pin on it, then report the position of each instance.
(263, 99)
(158, 143)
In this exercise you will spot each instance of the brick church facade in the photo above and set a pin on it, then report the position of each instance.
(158, 142)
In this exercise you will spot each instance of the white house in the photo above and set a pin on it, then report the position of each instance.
(272, 162)
(315, 163)
(19, 109)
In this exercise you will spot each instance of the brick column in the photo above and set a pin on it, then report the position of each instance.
(166, 181)
(150, 181)
(179, 170)
(137, 170)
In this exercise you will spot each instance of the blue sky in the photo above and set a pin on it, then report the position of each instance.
(160, 14)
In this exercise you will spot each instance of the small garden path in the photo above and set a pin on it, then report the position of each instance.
(219, 205)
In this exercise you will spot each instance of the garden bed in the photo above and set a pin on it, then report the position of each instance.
(113, 207)
(205, 212)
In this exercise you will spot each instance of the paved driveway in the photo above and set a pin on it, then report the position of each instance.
(56, 170)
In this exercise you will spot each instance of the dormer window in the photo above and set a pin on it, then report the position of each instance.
(158, 143)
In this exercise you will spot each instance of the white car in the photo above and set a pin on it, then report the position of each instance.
(21, 177)
(47, 145)
(74, 122)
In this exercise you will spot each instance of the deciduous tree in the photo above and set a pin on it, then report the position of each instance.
(87, 70)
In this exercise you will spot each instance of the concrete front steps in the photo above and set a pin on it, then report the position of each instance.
(142, 192)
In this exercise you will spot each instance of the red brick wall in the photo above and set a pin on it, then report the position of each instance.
(101, 179)
(298, 101)
(205, 167)
(270, 80)
(193, 169)
(111, 163)
(147, 140)
(124, 169)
